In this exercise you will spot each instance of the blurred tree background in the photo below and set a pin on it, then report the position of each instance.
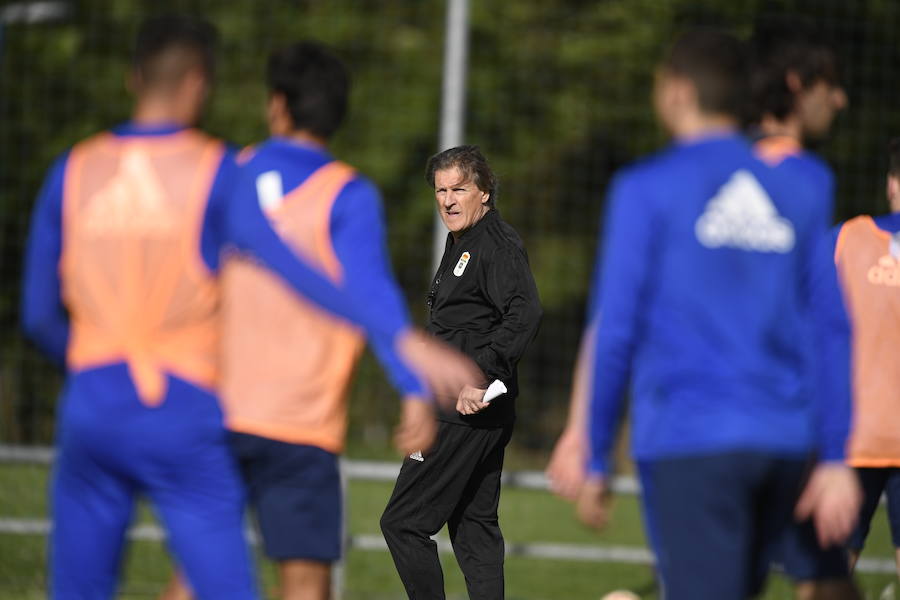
(558, 99)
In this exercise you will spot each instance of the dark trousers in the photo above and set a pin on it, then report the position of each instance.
(875, 481)
(457, 483)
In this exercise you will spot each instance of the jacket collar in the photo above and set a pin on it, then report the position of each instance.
(475, 231)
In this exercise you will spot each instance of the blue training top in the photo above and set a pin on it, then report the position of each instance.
(705, 298)
(889, 223)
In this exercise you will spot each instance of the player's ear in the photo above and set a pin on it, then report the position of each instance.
(893, 192)
(277, 102)
(839, 98)
(686, 93)
(133, 82)
(277, 113)
(196, 83)
(674, 90)
(793, 82)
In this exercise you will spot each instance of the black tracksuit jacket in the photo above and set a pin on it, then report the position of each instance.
(483, 301)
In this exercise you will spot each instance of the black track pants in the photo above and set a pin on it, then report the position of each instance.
(457, 483)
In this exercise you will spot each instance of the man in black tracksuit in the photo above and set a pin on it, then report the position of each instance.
(483, 300)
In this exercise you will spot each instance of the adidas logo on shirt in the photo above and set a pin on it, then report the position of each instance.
(886, 272)
(741, 215)
(132, 202)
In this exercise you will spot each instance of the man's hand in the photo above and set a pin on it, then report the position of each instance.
(567, 463)
(417, 427)
(592, 506)
(470, 400)
(832, 498)
(445, 370)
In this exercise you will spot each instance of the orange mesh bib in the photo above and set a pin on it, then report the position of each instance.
(774, 149)
(132, 275)
(286, 363)
(870, 277)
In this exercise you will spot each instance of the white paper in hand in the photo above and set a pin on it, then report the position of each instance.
(497, 388)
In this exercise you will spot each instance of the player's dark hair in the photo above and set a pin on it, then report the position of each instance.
(894, 157)
(472, 165)
(778, 51)
(315, 84)
(716, 63)
(167, 47)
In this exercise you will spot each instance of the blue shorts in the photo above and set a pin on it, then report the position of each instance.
(717, 522)
(876, 481)
(112, 449)
(296, 493)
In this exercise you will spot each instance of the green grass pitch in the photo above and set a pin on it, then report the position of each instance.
(526, 516)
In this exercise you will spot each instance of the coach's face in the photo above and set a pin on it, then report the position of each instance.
(459, 201)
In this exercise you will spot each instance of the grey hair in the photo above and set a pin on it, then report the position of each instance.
(471, 164)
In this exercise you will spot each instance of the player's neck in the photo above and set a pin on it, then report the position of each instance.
(306, 138)
(894, 203)
(788, 127)
(699, 125)
(159, 111)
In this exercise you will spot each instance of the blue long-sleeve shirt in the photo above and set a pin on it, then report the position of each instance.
(889, 223)
(44, 318)
(705, 300)
(829, 324)
(226, 223)
(358, 235)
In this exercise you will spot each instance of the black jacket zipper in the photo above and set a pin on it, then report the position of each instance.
(442, 270)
